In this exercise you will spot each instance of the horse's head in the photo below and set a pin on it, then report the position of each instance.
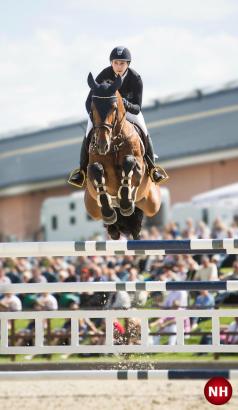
(104, 111)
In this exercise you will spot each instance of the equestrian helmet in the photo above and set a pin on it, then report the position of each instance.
(120, 53)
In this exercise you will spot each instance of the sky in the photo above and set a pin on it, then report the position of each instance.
(48, 47)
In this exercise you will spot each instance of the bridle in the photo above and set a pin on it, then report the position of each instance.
(109, 127)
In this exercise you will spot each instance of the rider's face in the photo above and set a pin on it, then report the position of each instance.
(119, 66)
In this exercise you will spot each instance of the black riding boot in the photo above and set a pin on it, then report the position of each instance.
(78, 176)
(154, 172)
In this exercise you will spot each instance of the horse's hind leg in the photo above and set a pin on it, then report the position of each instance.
(92, 206)
(131, 225)
(136, 220)
(96, 175)
(126, 192)
(151, 204)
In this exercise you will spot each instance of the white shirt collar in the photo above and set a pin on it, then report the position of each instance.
(123, 76)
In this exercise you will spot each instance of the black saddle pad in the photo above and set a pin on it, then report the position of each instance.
(143, 137)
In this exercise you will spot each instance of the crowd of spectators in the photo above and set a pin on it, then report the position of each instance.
(124, 268)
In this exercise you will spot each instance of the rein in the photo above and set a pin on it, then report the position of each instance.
(111, 127)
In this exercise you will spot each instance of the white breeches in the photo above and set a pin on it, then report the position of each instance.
(137, 119)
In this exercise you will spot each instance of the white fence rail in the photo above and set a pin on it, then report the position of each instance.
(200, 374)
(130, 247)
(106, 248)
(110, 316)
(150, 286)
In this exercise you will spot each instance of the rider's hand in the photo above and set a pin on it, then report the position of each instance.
(126, 103)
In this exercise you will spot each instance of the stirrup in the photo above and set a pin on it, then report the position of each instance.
(163, 173)
(75, 183)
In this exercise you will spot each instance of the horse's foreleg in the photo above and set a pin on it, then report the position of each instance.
(127, 192)
(96, 175)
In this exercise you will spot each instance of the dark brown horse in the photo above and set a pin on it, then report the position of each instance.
(119, 190)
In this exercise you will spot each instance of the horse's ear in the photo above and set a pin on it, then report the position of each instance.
(116, 85)
(91, 82)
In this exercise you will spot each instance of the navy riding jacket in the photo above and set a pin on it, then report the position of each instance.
(131, 89)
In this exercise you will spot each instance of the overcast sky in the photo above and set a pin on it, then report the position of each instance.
(47, 48)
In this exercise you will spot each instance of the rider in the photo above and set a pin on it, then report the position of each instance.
(131, 92)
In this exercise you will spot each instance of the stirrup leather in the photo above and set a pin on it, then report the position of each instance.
(75, 182)
(162, 171)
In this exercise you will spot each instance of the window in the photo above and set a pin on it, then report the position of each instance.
(205, 216)
(72, 206)
(72, 220)
(54, 223)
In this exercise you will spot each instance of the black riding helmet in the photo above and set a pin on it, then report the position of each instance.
(120, 53)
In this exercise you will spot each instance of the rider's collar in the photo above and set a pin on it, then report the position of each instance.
(123, 76)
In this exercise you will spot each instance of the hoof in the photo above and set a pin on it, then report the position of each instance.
(136, 236)
(110, 219)
(128, 211)
(113, 232)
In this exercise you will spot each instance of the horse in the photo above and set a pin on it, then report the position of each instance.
(119, 189)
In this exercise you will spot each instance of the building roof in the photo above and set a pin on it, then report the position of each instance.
(202, 125)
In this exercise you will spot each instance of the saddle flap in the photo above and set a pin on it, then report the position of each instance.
(142, 138)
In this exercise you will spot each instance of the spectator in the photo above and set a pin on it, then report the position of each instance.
(172, 229)
(25, 336)
(233, 327)
(207, 272)
(234, 274)
(10, 303)
(154, 233)
(180, 297)
(168, 274)
(189, 231)
(202, 301)
(119, 300)
(192, 267)
(167, 325)
(72, 275)
(219, 230)
(202, 230)
(3, 278)
(216, 259)
(181, 270)
(37, 276)
(48, 271)
(122, 271)
(46, 301)
(63, 275)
